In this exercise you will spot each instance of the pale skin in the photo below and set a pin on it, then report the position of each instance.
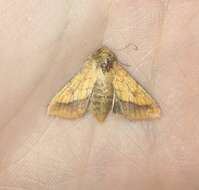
(44, 43)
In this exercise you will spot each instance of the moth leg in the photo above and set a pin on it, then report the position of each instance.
(113, 101)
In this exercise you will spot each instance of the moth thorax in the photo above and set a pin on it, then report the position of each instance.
(106, 66)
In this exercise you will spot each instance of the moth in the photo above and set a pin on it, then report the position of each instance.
(101, 86)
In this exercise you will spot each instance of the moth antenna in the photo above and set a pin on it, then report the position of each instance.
(135, 47)
(127, 65)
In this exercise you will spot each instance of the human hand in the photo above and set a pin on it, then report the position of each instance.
(44, 43)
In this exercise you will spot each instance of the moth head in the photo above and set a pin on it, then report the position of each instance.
(105, 58)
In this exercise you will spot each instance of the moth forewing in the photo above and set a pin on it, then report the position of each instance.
(71, 102)
(132, 100)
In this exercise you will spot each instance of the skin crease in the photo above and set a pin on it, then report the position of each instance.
(44, 43)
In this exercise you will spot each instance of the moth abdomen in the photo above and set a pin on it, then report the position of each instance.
(101, 100)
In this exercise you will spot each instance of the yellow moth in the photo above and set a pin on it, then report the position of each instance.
(101, 86)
